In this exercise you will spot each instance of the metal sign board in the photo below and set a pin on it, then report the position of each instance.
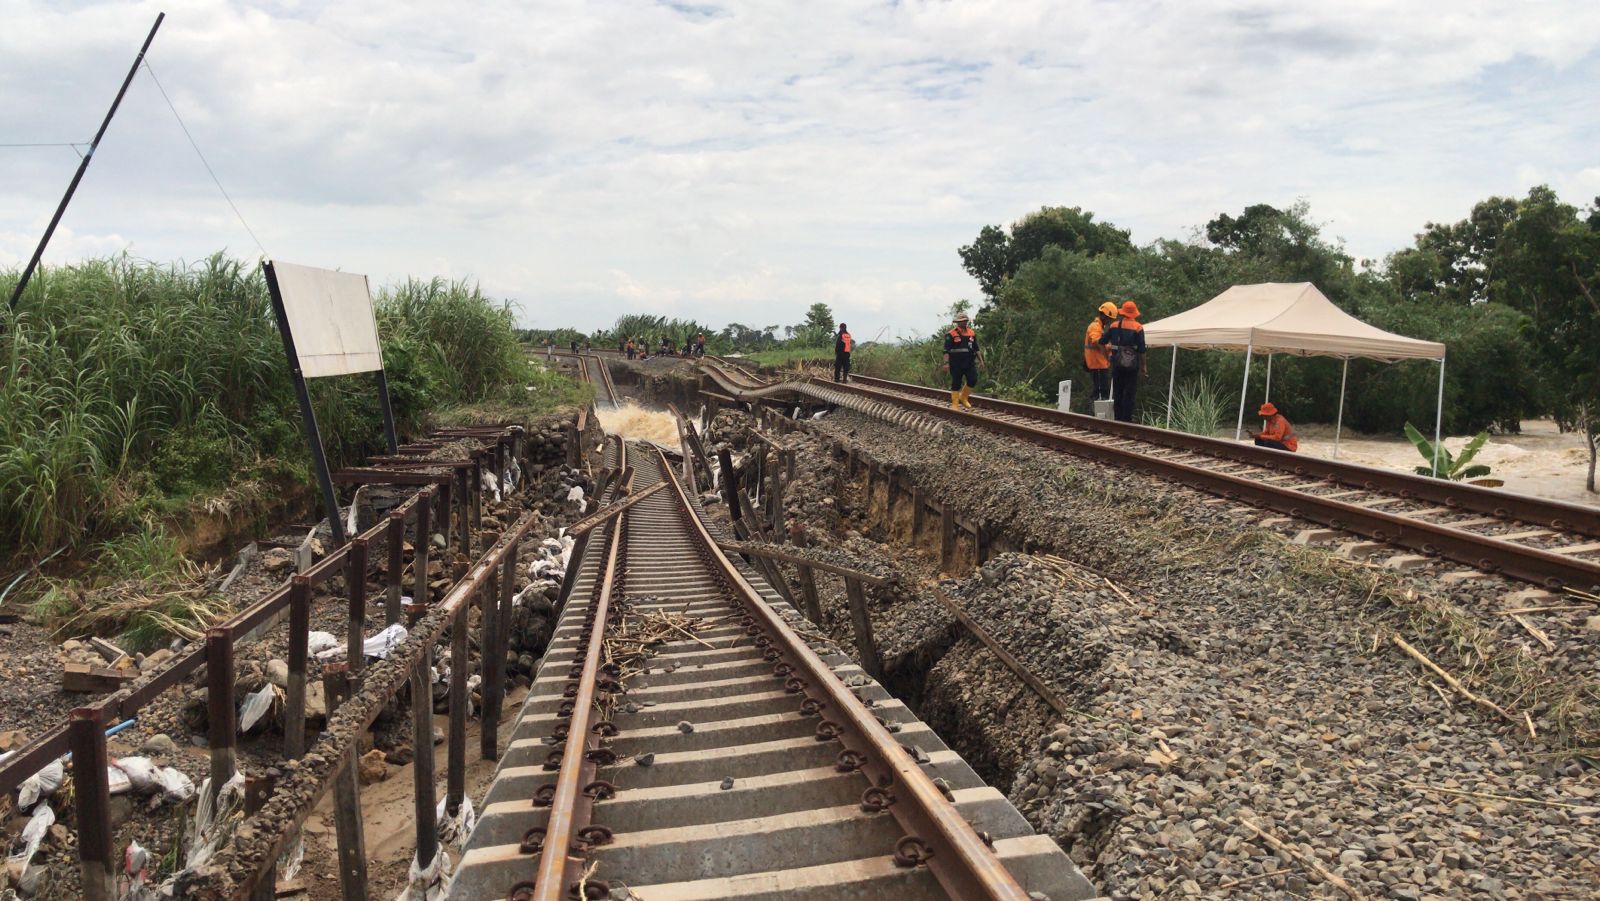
(330, 314)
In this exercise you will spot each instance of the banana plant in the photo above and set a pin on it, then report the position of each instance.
(1452, 467)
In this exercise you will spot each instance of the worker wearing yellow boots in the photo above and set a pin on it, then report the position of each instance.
(961, 358)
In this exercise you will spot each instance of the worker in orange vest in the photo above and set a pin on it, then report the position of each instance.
(1277, 433)
(1124, 341)
(1094, 356)
(843, 344)
(961, 357)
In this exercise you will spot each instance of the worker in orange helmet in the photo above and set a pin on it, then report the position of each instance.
(1095, 359)
(961, 358)
(1277, 434)
(1124, 340)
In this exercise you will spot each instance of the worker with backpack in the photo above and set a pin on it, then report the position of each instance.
(1124, 341)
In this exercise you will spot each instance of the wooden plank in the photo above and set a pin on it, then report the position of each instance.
(866, 646)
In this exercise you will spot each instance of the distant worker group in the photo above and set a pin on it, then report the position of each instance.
(639, 348)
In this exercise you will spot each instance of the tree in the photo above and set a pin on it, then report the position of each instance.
(996, 255)
(815, 330)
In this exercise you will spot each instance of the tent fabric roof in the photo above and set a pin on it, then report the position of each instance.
(1276, 318)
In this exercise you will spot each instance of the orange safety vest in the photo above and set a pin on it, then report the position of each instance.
(1279, 429)
(1094, 356)
(849, 342)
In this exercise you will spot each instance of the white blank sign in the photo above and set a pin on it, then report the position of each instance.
(330, 315)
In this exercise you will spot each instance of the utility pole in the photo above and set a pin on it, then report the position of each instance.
(27, 273)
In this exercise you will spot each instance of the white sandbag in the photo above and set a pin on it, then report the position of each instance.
(214, 818)
(317, 642)
(384, 643)
(490, 484)
(575, 495)
(42, 784)
(139, 772)
(174, 786)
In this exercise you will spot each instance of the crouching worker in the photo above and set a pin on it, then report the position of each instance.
(1277, 433)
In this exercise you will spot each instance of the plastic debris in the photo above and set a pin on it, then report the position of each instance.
(214, 818)
(42, 784)
(575, 495)
(27, 845)
(255, 706)
(383, 644)
(490, 484)
(317, 642)
(429, 883)
(135, 865)
(453, 830)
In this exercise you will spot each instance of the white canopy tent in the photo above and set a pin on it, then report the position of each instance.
(1291, 318)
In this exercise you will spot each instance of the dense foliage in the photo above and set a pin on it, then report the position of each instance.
(130, 389)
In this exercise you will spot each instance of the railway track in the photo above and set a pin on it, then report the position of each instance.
(593, 369)
(1549, 543)
(727, 756)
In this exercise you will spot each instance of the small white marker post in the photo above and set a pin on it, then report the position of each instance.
(1064, 395)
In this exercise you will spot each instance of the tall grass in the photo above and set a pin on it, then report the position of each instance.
(1199, 407)
(129, 388)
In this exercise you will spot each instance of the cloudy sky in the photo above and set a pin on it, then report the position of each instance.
(738, 161)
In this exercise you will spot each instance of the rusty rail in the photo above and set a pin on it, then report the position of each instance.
(936, 834)
(1483, 552)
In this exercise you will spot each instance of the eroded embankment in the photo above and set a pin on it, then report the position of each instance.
(1229, 690)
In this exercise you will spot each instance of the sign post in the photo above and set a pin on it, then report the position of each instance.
(328, 328)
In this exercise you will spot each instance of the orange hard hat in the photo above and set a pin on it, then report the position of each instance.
(1130, 310)
(1267, 409)
(1108, 308)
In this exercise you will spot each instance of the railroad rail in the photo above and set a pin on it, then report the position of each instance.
(1549, 543)
(593, 369)
(689, 736)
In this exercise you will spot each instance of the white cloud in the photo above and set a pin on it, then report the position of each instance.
(740, 161)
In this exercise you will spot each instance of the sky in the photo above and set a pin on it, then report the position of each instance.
(741, 161)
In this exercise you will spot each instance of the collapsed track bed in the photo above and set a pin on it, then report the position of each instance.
(728, 756)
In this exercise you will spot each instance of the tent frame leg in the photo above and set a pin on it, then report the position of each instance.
(1171, 380)
(1268, 395)
(1438, 420)
(1244, 390)
(1338, 423)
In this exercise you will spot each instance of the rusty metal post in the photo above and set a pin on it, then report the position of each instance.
(730, 485)
(338, 683)
(294, 706)
(422, 765)
(86, 735)
(865, 644)
(445, 514)
(808, 581)
(221, 733)
(355, 577)
(420, 594)
(456, 765)
(469, 495)
(396, 570)
(890, 489)
(947, 537)
(257, 791)
(492, 653)
(477, 493)
(919, 511)
(775, 501)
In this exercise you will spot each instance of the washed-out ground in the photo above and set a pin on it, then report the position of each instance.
(1223, 681)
